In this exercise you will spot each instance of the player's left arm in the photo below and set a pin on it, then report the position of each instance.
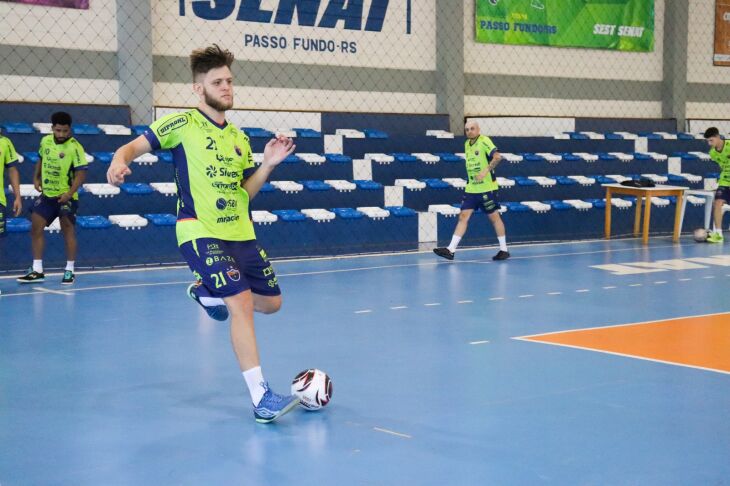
(14, 177)
(494, 158)
(275, 151)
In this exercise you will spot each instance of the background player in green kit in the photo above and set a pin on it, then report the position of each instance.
(720, 154)
(58, 175)
(216, 179)
(9, 160)
(482, 158)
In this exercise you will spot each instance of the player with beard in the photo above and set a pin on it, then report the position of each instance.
(216, 179)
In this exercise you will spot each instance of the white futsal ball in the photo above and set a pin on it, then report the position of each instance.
(700, 235)
(313, 387)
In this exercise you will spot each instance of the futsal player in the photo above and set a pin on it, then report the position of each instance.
(9, 161)
(720, 154)
(482, 158)
(216, 179)
(58, 176)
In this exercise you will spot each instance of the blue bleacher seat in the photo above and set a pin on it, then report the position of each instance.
(289, 215)
(159, 219)
(256, 132)
(449, 157)
(86, 129)
(685, 136)
(32, 157)
(640, 156)
(307, 133)
(404, 157)
(516, 207)
(613, 136)
(338, 158)
(164, 156)
(565, 181)
(523, 181)
(368, 185)
(292, 159)
(348, 213)
(103, 157)
(267, 187)
(577, 135)
(137, 188)
(138, 129)
(373, 133)
(712, 175)
(17, 127)
(401, 211)
(530, 157)
(597, 203)
(676, 179)
(558, 205)
(685, 156)
(93, 222)
(316, 185)
(650, 135)
(570, 157)
(18, 225)
(606, 156)
(436, 183)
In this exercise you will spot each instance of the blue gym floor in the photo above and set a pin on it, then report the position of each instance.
(121, 380)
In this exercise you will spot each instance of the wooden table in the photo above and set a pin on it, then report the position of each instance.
(645, 193)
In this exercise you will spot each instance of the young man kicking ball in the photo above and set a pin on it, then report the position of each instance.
(482, 158)
(720, 154)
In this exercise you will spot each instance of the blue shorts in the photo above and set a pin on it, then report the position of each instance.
(49, 209)
(723, 192)
(485, 200)
(228, 268)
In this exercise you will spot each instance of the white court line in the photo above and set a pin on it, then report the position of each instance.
(497, 298)
(609, 287)
(526, 296)
(660, 282)
(432, 304)
(465, 302)
(635, 285)
(582, 291)
(57, 292)
(391, 432)
(685, 279)
(555, 293)
(709, 276)
(478, 342)
(399, 307)
(365, 311)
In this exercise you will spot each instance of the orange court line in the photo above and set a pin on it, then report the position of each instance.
(699, 342)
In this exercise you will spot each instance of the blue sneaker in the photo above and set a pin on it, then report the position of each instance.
(217, 312)
(272, 406)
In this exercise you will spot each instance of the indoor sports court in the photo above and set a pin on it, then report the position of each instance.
(364, 242)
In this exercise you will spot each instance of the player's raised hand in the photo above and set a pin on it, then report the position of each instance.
(277, 150)
(117, 172)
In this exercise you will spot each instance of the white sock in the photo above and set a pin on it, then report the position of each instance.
(502, 243)
(38, 266)
(70, 265)
(454, 243)
(255, 382)
(211, 301)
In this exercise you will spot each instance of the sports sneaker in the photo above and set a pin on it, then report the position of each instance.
(31, 277)
(216, 312)
(68, 277)
(715, 237)
(272, 405)
(501, 255)
(444, 253)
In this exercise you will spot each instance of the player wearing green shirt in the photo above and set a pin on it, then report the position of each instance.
(9, 161)
(720, 154)
(216, 179)
(482, 158)
(58, 176)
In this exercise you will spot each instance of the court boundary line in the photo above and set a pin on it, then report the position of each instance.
(528, 339)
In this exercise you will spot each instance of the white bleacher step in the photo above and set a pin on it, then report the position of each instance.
(28, 190)
(128, 221)
(374, 212)
(656, 178)
(618, 178)
(655, 155)
(504, 182)
(562, 136)
(696, 200)
(102, 190)
(115, 129)
(456, 182)
(660, 202)
(310, 158)
(463, 155)
(544, 181)
(583, 180)
(350, 133)
(701, 155)
(288, 186)
(617, 202)
(166, 188)
(586, 156)
(319, 215)
(146, 159)
(258, 158)
(537, 206)
(445, 209)
(44, 128)
(412, 184)
(509, 157)
(691, 177)
(550, 157)
(667, 135)
(264, 217)
(54, 227)
(426, 157)
(578, 204)
(89, 158)
(439, 134)
(379, 158)
(594, 135)
(285, 132)
(627, 135)
(623, 157)
(341, 185)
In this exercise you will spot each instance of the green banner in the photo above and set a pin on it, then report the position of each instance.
(624, 25)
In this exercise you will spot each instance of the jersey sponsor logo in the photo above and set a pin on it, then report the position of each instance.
(233, 274)
(233, 174)
(211, 171)
(223, 203)
(228, 219)
(212, 260)
(61, 155)
(226, 186)
(173, 124)
(238, 150)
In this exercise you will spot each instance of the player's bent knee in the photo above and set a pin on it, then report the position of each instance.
(267, 304)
